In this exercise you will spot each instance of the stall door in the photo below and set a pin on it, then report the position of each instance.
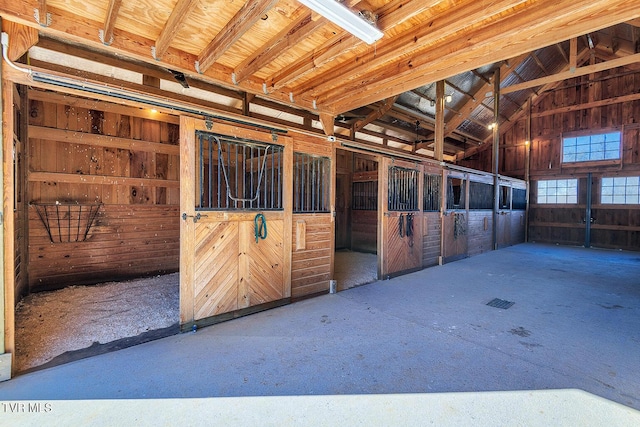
(455, 221)
(402, 221)
(504, 217)
(235, 232)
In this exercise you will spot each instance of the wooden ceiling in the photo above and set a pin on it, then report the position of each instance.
(281, 51)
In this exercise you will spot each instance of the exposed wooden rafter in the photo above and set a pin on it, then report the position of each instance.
(110, 21)
(180, 13)
(248, 15)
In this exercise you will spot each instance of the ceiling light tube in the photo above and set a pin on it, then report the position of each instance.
(344, 17)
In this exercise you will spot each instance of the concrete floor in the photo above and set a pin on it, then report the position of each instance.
(575, 324)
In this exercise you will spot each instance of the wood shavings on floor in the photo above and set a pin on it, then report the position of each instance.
(355, 268)
(51, 323)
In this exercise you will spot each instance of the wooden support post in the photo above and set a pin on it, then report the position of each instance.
(496, 154)
(573, 54)
(7, 322)
(187, 226)
(438, 151)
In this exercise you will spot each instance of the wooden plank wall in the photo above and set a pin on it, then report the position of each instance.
(312, 235)
(575, 105)
(86, 152)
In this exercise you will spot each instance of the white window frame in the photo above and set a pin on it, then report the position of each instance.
(623, 190)
(603, 146)
(557, 191)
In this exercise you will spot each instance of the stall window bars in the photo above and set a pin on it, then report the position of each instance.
(455, 193)
(431, 201)
(238, 174)
(403, 189)
(311, 180)
(365, 196)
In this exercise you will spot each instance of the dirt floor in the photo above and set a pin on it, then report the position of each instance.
(49, 324)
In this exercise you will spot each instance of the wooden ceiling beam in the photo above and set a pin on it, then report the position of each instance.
(248, 15)
(478, 99)
(113, 9)
(300, 28)
(42, 14)
(389, 16)
(21, 38)
(375, 114)
(526, 29)
(179, 15)
(128, 46)
(441, 21)
(582, 71)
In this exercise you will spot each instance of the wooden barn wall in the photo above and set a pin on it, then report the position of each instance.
(312, 235)
(85, 152)
(594, 103)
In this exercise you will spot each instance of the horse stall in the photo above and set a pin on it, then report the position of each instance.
(260, 200)
(97, 200)
(356, 221)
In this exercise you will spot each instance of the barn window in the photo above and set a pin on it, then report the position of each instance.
(620, 190)
(431, 201)
(586, 148)
(403, 189)
(365, 196)
(311, 178)
(237, 174)
(561, 191)
(480, 195)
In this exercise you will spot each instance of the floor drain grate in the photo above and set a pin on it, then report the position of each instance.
(500, 303)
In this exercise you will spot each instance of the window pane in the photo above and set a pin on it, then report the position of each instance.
(591, 147)
(558, 191)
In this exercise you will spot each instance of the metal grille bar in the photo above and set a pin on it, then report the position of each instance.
(365, 195)
(403, 189)
(455, 193)
(431, 201)
(480, 195)
(311, 180)
(238, 174)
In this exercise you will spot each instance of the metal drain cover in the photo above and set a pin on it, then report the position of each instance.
(500, 303)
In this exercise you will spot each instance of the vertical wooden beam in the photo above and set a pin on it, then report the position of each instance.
(7, 344)
(383, 218)
(496, 155)
(438, 150)
(573, 54)
(187, 226)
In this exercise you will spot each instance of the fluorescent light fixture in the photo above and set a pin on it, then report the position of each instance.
(344, 17)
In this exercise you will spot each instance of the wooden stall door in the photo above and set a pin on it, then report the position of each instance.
(455, 221)
(400, 251)
(233, 271)
(504, 228)
(223, 269)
